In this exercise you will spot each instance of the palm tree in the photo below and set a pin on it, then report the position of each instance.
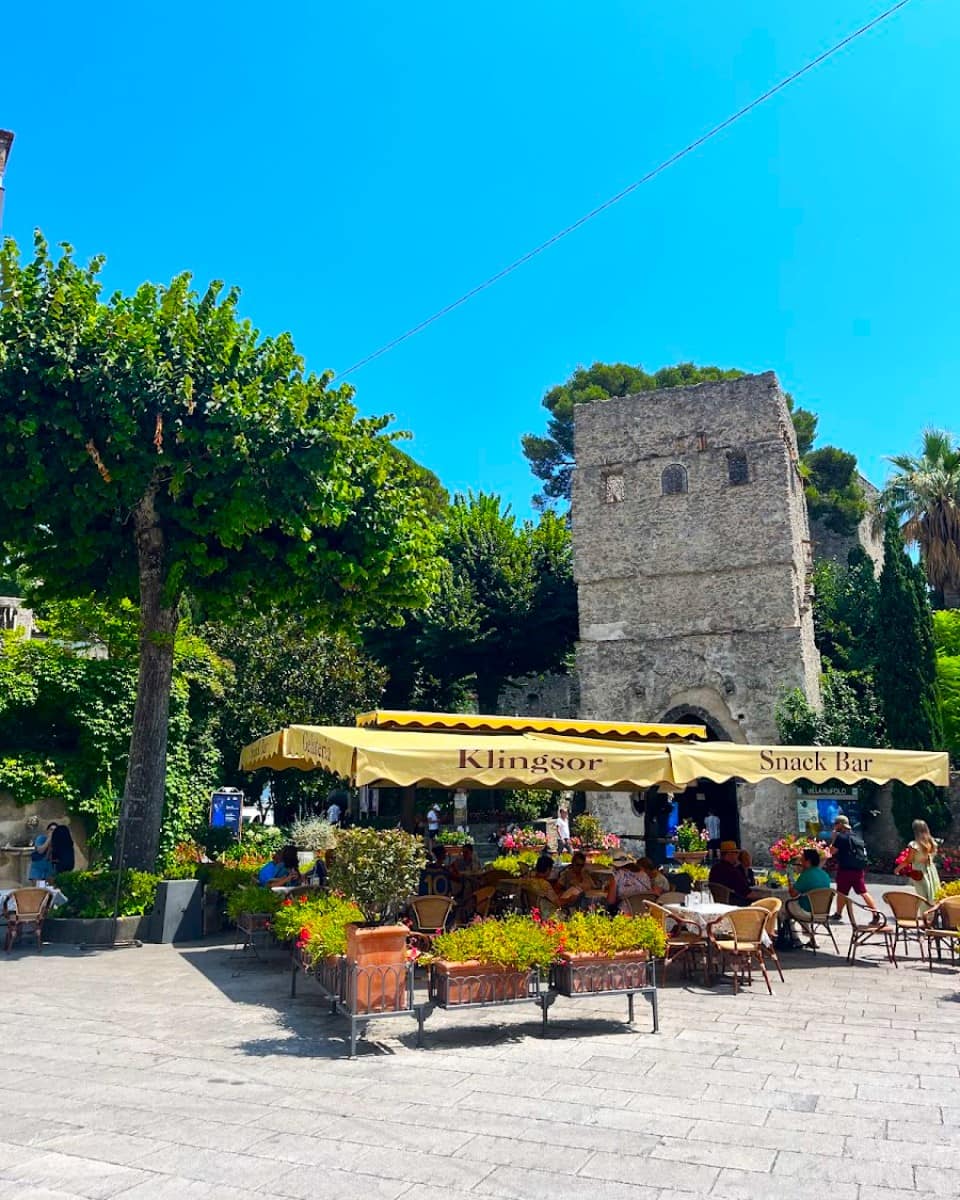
(925, 495)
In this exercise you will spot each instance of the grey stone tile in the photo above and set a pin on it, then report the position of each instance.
(525, 1184)
(748, 1185)
(686, 1176)
(841, 1170)
(227, 1167)
(509, 1151)
(86, 1177)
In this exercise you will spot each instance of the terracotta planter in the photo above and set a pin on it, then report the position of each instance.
(578, 973)
(690, 856)
(376, 968)
(454, 983)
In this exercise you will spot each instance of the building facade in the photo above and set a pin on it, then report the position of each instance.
(693, 559)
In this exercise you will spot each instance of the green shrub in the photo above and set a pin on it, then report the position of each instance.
(252, 899)
(318, 923)
(453, 837)
(377, 868)
(516, 942)
(92, 893)
(312, 834)
(596, 933)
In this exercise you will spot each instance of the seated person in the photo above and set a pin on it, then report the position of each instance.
(747, 863)
(283, 869)
(435, 877)
(576, 883)
(542, 883)
(729, 873)
(631, 880)
(467, 863)
(320, 870)
(658, 881)
(812, 876)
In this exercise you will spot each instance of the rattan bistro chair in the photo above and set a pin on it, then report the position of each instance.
(821, 902)
(430, 915)
(25, 911)
(721, 893)
(865, 925)
(685, 939)
(942, 924)
(909, 911)
(769, 946)
(740, 937)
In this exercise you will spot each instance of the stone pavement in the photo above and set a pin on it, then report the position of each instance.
(165, 1072)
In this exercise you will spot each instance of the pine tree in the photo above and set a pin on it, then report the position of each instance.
(906, 675)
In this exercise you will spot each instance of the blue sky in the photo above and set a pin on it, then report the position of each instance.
(353, 167)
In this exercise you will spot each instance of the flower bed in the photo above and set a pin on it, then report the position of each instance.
(788, 851)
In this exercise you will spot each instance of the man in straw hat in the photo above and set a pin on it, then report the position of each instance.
(729, 873)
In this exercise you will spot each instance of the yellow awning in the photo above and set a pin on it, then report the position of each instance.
(819, 764)
(562, 726)
(472, 759)
(451, 760)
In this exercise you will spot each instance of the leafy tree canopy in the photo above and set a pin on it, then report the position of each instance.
(924, 492)
(155, 443)
(833, 489)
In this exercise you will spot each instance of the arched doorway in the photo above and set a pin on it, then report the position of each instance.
(663, 811)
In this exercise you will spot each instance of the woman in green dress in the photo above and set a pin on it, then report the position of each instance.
(923, 859)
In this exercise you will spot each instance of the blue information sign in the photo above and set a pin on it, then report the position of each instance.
(226, 810)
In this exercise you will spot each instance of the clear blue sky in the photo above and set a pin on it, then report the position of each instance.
(355, 166)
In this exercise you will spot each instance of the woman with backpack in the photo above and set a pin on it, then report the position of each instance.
(850, 855)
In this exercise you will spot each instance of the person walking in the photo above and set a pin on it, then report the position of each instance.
(563, 830)
(923, 850)
(851, 857)
(335, 808)
(712, 825)
(433, 824)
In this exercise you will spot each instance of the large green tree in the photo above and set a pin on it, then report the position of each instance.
(925, 494)
(286, 675)
(155, 444)
(906, 674)
(506, 607)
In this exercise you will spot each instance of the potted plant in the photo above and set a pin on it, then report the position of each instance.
(377, 869)
(589, 836)
(491, 961)
(310, 836)
(788, 851)
(691, 843)
(598, 953)
(317, 927)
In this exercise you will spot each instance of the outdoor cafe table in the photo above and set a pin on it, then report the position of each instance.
(708, 914)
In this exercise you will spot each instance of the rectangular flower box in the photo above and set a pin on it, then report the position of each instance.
(577, 974)
(453, 983)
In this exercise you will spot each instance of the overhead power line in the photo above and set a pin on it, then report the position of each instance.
(595, 212)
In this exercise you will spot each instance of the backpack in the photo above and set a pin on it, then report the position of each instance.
(858, 852)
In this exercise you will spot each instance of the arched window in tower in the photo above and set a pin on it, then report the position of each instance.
(738, 469)
(673, 481)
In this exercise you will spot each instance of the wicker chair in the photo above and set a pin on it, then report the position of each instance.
(25, 911)
(865, 925)
(743, 943)
(773, 905)
(532, 898)
(942, 924)
(908, 920)
(821, 902)
(430, 916)
(684, 937)
(482, 898)
(672, 898)
(721, 893)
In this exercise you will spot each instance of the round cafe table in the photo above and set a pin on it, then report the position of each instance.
(57, 897)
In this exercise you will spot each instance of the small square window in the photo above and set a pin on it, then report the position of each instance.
(614, 488)
(738, 469)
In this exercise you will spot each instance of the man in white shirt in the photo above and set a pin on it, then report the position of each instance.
(433, 823)
(334, 811)
(563, 830)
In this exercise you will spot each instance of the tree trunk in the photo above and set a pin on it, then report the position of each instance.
(138, 838)
(951, 597)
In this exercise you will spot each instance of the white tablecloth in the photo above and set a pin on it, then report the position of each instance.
(703, 914)
(5, 894)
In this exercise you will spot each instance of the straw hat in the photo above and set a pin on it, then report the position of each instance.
(729, 848)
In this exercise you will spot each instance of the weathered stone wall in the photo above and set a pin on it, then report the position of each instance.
(837, 546)
(700, 598)
(542, 696)
(17, 833)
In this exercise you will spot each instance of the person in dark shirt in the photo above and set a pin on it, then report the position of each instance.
(61, 847)
(851, 859)
(729, 873)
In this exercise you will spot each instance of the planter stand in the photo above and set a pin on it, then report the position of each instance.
(352, 989)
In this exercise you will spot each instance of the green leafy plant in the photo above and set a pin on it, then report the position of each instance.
(317, 923)
(453, 837)
(697, 871)
(312, 833)
(377, 868)
(509, 863)
(529, 804)
(689, 838)
(250, 898)
(589, 831)
(92, 893)
(596, 933)
(516, 942)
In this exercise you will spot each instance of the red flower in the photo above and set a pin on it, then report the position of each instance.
(305, 934)
(535, 914)
(302, 899)
(287, 902)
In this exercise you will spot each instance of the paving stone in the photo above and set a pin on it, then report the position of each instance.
(525, 1184)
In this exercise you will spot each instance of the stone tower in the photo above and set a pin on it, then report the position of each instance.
(692, 558)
